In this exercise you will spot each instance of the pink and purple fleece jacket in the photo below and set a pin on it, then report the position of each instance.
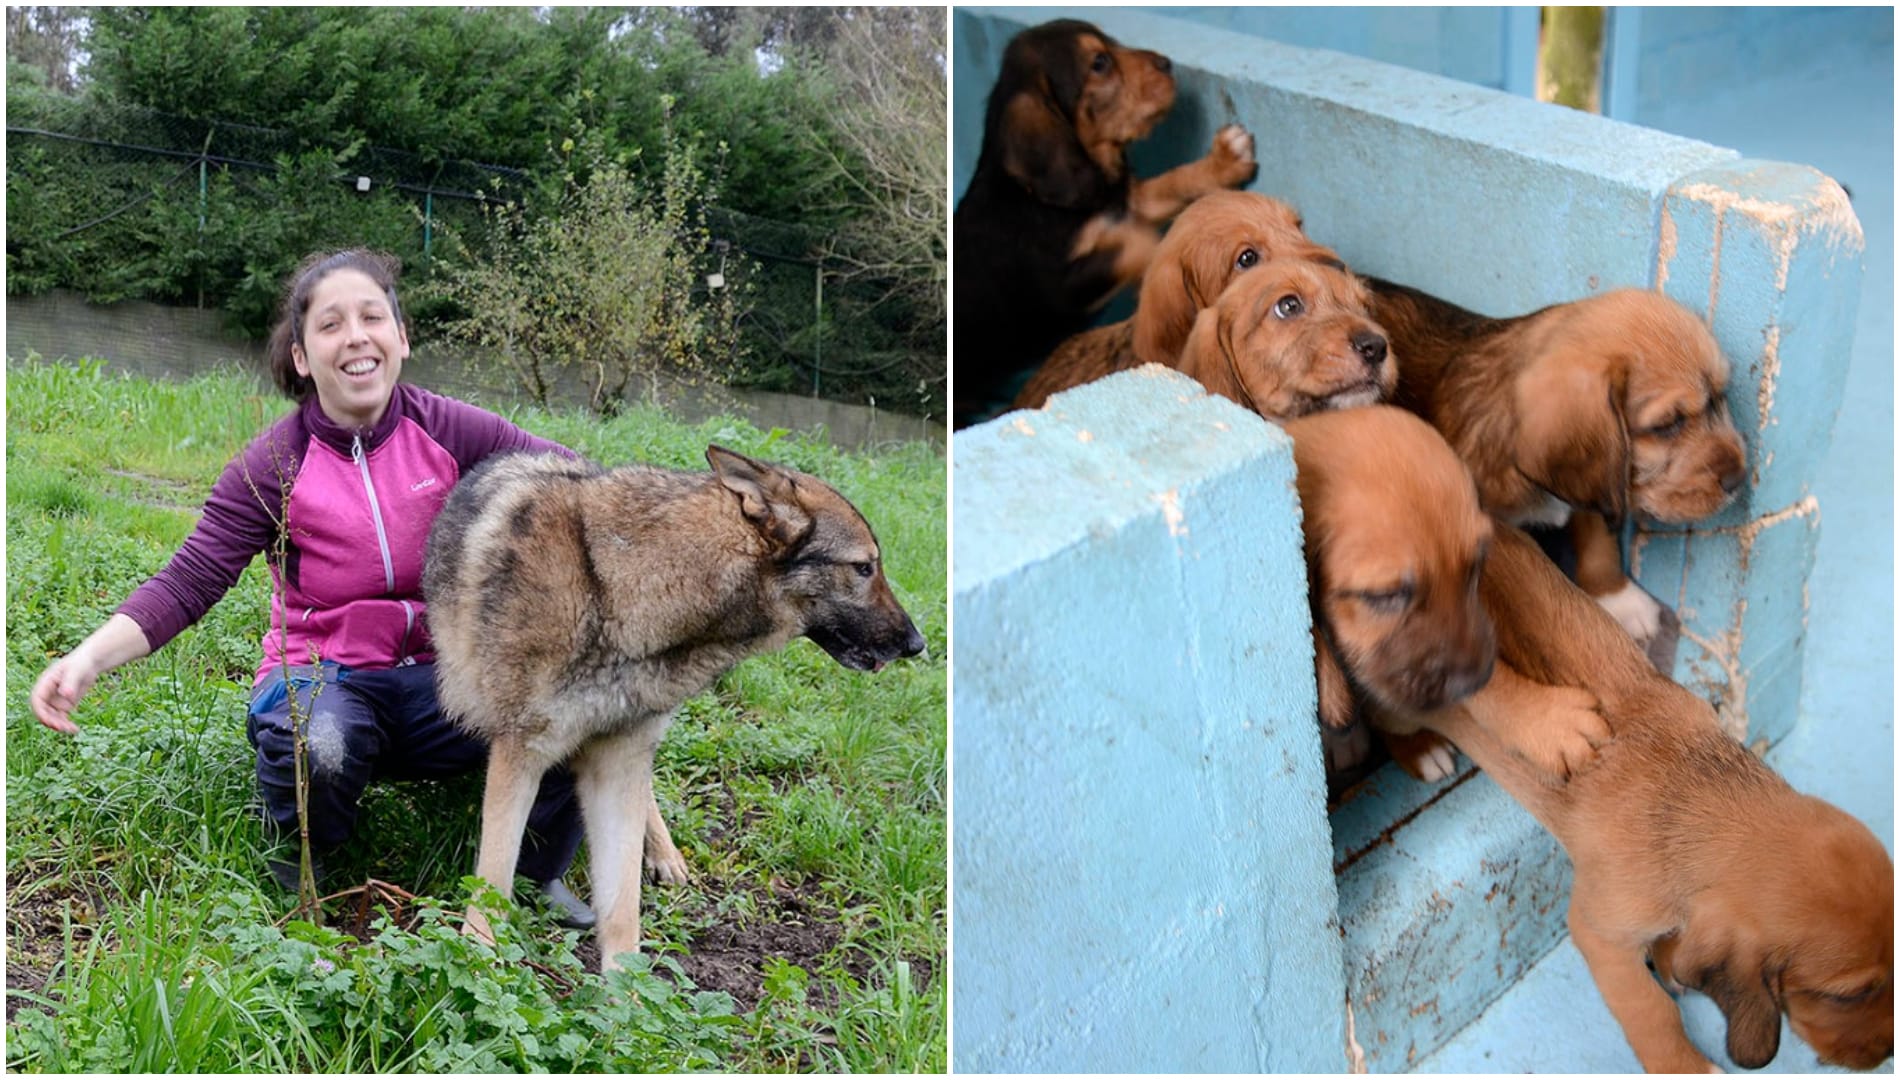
(358, 517)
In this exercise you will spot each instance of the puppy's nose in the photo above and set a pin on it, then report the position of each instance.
(1370, 347)
(1732, 481)
(1162, 63)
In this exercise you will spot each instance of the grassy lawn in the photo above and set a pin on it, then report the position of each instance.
(143, 933)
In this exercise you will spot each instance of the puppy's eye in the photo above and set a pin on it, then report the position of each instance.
(864, 569)
(1288, 306)
(1100, 63)
(1388, 601)
(1669, 430)
(1247, 259)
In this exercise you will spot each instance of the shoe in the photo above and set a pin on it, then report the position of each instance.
(285, 872)
(570, 910)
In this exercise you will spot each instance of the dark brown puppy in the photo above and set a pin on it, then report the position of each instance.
(1582, 412)
(1053, 222)
(1688, 850)
(1220, 237)
(1394, 543)
(1289, 338)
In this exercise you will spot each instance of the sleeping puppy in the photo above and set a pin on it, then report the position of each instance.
(1689, 852)
(1218, 238)
(1581, 413)
(1394, 544)
(1290, 338)
(1053, 223)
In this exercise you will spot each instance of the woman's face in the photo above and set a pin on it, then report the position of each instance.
(353, 347)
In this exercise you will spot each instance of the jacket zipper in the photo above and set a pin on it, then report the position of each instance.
(375, 513)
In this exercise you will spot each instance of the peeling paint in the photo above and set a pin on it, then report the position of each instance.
(1170, 501)
(1084, 436)
(1770, 372)
(1665, 249)
(1021, 424)
(1355, 1054)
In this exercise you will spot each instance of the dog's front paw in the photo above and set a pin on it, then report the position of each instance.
(1232, 156)
(475, 925)
(1424, 755)
(1638, 612)
(1561, 738)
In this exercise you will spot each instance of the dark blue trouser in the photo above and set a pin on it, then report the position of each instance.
(385, 725)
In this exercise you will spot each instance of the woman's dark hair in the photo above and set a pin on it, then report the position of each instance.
(288, 330)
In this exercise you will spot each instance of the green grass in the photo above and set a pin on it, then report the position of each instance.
(135, 858)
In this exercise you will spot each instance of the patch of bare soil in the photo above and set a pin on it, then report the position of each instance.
(37, 910)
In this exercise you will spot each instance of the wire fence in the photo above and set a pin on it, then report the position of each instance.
(129, 202)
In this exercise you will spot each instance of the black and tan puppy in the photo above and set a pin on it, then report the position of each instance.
(1689, 852)
(574, 608)
(1054, 223)
(1223, 235)
(1394, 545)
(1580, 413)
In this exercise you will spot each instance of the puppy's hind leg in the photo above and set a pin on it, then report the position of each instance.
(614, 777)
(514, 775)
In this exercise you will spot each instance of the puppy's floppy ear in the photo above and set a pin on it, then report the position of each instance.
(1571, 437)
(768, 496)
(1335, 693)
(1736, 976)
(1041, 151)
(1206, 356)
(1166, 311)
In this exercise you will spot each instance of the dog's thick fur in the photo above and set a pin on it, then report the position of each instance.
(1582, 413)
(1688, 850)
(1053, 223)
(1220, 237)
(574, 608)
(1394, 544)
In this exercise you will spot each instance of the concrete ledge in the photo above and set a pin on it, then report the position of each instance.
(1142, 881)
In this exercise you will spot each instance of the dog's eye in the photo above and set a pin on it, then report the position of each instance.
(1288, 306)
(1669, 430)
(1389, 601)
(1247, 259)
(864, 569)
(1100, 63)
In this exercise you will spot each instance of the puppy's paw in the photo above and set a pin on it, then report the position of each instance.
(1232, 156)
(1638, 612)
(1424, 755)
(1346, 747)
(667, 867)
(1561, 738)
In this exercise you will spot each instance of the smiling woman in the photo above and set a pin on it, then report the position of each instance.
(339, 497)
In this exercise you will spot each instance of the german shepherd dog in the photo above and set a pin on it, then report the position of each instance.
(574, 608)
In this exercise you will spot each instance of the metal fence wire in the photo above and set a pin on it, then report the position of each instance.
(103, 198)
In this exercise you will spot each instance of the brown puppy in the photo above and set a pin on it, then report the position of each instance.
(1220, 237)
(1580, 412)
(1054, 223)
(1291, 338)
(1687, 849)
(1394, 543)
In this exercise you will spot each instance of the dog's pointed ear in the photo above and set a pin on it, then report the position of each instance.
(1571, 438)
(1709, 956)
(1041, 151)
(768, 496)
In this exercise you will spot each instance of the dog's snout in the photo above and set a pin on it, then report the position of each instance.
(1732, 480)
(1162, 63)
(1370, 347)
(914, 644)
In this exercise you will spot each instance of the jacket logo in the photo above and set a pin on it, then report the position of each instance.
(420, 484)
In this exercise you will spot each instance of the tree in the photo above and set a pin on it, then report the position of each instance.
(49, 40)
(603, 286)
